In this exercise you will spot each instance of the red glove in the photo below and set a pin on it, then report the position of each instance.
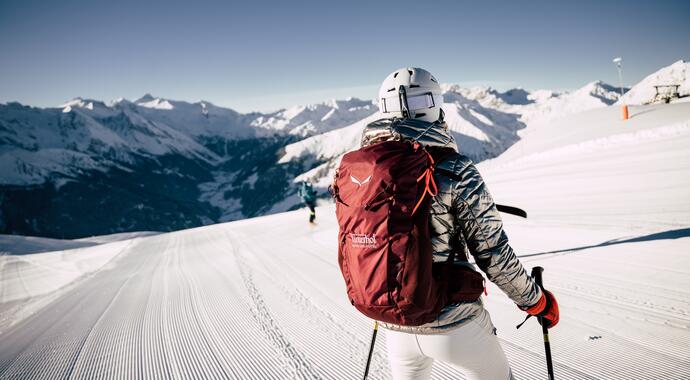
(547, 308)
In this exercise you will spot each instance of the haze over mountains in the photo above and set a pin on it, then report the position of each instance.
(93, 168)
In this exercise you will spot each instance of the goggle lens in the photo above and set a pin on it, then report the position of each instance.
(414, 102)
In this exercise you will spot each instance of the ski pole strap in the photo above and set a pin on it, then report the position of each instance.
(523, 322)
(511, 210)
(536, 274)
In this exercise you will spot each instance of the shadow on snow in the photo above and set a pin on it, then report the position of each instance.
(666, 235)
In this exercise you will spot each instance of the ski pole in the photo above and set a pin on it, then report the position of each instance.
(536, 274)
(371, 349)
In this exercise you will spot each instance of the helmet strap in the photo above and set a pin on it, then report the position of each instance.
(404, 108)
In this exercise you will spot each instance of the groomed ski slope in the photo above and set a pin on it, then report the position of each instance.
(264, 299)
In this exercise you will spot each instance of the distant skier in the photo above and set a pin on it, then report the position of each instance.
(308, 195)
(462, 218)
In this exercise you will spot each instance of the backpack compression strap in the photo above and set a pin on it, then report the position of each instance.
(429, 182)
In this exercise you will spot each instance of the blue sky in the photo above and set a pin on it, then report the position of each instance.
(262, 55)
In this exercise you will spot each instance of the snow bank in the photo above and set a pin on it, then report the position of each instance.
(35, 274)
(595, 169)
(590, 125)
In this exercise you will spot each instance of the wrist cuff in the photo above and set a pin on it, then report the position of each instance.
(538, 307)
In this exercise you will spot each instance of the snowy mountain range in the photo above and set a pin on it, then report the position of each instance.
(484, 122)
(91, 168)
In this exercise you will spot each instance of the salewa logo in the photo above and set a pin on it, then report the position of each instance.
(363, 240)
(358, 182)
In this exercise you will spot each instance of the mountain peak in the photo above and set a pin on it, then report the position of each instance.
(149, 101)
(117, 101)
(597, 89)
(146, 98)
(73, 102)
(79, 102)
(516, 96)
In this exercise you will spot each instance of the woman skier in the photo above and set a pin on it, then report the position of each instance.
(464, 218)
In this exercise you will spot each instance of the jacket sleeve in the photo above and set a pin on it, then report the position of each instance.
(480, 224)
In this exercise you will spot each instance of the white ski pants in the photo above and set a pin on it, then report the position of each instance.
(472, 348)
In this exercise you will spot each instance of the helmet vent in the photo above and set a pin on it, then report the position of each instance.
(414, 85)
(409, 71)
(396, 74)
(433, 79)
(418, 115)
(391, 89)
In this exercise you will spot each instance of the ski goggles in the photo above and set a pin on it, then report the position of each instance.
(414, 102)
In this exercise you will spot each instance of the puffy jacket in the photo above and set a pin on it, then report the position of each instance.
(463, 218)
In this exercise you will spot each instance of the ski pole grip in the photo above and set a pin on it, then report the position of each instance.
(536, 274)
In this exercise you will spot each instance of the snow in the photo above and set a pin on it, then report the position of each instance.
(328, 147)
(330, 144)
(194, 120)
(592, 95)
(644, 92)
(157, 103)
(251, 180)
(538, 106)
(31, 275)
(609, 219)
(591, 125)
(18, 245)
(116, 237)
(21, 245)
(15, 245)
(77, 103)
(308, 120)
(41, 144)
(464, 121)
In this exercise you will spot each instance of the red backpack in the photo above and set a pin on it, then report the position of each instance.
(383, 194)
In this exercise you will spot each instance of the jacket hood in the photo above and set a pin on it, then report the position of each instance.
(434, 134)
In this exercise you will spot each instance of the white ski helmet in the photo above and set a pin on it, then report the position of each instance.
(411, 93)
